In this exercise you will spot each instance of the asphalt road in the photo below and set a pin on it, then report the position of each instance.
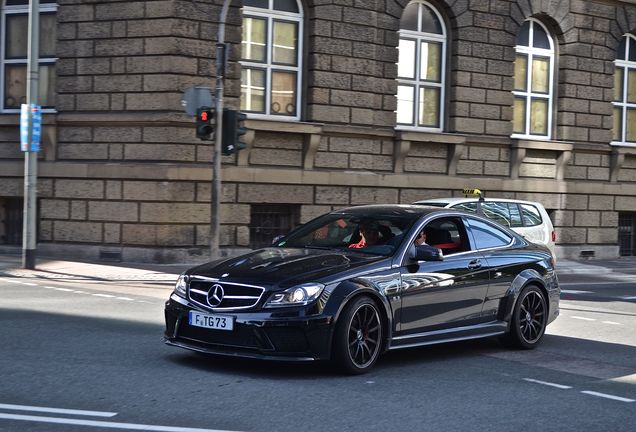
(96, 349)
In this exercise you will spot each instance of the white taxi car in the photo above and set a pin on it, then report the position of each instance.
(528, 218)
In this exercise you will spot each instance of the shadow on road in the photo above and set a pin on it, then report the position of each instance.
(101, 348)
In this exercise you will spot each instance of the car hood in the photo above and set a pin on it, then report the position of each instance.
(284, 267)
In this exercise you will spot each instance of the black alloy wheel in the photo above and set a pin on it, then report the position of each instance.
(532, 317)
(358, 338)
(529, 319)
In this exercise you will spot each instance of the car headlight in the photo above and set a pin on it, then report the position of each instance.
(298, 295)
(181, 285)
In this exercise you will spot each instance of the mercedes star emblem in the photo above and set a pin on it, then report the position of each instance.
(215, 295)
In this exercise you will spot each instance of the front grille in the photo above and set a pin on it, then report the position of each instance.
(235, 296)
(240, 337)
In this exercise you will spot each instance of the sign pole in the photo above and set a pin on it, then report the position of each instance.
(221, 57)
(29, 233)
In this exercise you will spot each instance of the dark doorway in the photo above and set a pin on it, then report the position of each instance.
(11, 210)
(627, 234)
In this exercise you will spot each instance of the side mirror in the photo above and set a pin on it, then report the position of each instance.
(276, 239)
(428, 253)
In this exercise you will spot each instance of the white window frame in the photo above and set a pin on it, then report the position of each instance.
(19, 10)
(626, 65)
(416, 82)
(271, 15)
(531, 52)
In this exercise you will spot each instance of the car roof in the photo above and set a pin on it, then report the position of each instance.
(392, 209)
(458, 200)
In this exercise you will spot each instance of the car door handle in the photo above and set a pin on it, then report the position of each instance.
(474, 264)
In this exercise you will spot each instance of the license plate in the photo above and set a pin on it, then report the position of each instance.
(216, 322)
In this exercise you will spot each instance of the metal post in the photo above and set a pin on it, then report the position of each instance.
(29, 233)
(221, 53)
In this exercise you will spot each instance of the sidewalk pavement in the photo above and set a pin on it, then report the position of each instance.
(49, 268)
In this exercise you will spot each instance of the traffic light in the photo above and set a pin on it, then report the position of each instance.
(204, 120)
(233, 131)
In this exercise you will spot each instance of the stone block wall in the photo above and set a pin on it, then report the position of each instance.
(123, 171)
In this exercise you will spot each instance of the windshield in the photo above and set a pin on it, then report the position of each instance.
(378, 234)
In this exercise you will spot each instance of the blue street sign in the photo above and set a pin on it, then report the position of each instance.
(36, 127)
(24, 127)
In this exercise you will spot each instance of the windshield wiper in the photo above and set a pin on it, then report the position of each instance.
(317, 247)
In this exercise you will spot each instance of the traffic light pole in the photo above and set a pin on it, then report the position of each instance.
(29, 226)
(221, 53)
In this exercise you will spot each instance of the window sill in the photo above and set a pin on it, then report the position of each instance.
(312, 133)
(276, 125)
(617, 159)
(542, 145)
(405, 139)
(13, 119)
(437, 137)
(519, 147)
(618, 144)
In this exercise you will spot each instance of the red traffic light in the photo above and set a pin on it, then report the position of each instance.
(204, 128)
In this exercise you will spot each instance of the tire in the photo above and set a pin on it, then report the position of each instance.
(529, 319)
(358, 337)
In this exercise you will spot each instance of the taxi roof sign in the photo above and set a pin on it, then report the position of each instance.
(473, 192)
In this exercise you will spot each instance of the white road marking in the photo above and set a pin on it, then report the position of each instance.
(611, 322)
(608, 396)
(12, 281)
(631, 282)
(73, 291)
(559, 386)
(576, 292)
(57, 410)
(104, 424)
(582, 318)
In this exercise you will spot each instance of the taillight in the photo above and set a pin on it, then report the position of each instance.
(553, 236)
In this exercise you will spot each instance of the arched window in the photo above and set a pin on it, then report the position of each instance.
(625, 92)
(534, 83)
(421, 68)
(14, 48)
(271, 53)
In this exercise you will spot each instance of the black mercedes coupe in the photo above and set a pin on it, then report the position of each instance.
(354, 283)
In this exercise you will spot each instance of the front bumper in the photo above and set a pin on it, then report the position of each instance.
(259, 334)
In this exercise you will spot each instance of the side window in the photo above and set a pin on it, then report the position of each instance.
(505, 213)
(488, 236)
(497, 211)
(447, 234)
(531, 215)
(469, 207)
(515, 215)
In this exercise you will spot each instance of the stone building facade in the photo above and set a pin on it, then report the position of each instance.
(122, 175)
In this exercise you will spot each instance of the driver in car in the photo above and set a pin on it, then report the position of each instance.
(369, 235)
